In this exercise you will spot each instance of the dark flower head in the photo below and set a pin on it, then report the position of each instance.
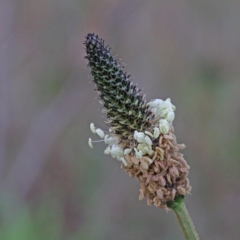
(125, 106)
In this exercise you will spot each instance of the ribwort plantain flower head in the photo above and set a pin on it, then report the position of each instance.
(141, 134)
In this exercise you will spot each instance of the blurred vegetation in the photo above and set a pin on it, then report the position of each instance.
(52, 185)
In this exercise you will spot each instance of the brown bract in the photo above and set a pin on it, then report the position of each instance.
(163, 174)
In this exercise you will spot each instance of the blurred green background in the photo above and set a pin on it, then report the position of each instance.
(53, 186)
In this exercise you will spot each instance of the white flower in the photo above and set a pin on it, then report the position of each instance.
(164, 126)
(156, 132)
(92, 127)
(155, 103)
(127, 151)
(138, 153)
(116, 151)
(90, 143)
(167, 104)
(100, 133)
(165, 108)
(148, 140)
(107, 150)
(139, 136)
(145, 148)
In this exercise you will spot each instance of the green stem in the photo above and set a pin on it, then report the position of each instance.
(184, 218)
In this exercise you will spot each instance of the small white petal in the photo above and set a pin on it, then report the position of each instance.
(107, 150)
(148, 133)
(116, 151)
(155, 103)
(127, 151)
(161, 108)
(167, 105)
(92, 127)
(100, 133)
(148, 140)
(139, 136)
(106, 138)
(145, 148)
(138, 153)
(123, 161)
(90, 143)
(170, 116)
(165, 110)
(164, 126)
(110, 140)
(163, 113)
(154, 110)
(149, 150)
(156, 132)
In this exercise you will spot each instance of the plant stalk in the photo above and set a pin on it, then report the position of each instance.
(184, 218)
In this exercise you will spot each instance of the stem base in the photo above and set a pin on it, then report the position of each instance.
(184, 218)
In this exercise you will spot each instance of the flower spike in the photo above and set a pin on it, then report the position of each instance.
(125, 106)
(141, 134)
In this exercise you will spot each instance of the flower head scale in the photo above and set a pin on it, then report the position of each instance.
(141, 134)
(125, 106)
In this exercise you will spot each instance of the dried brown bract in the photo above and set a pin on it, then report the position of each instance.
(163, 175)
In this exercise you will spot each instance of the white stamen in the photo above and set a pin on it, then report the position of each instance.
(170, 116)
(107, 150)
(166, 110)
(138, 153)
(100, 133)
(90, 143)
(148, 133)
(127, 151)
(123, 161)
(155, 103)
(148, 140)
(92, 127)
(156, 132)
(106, 138)
(164, 126)
(110, 140)
(139, 136)
(116, 151)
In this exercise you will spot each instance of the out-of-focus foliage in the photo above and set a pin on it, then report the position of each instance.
(25, 225)
(53, 186)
